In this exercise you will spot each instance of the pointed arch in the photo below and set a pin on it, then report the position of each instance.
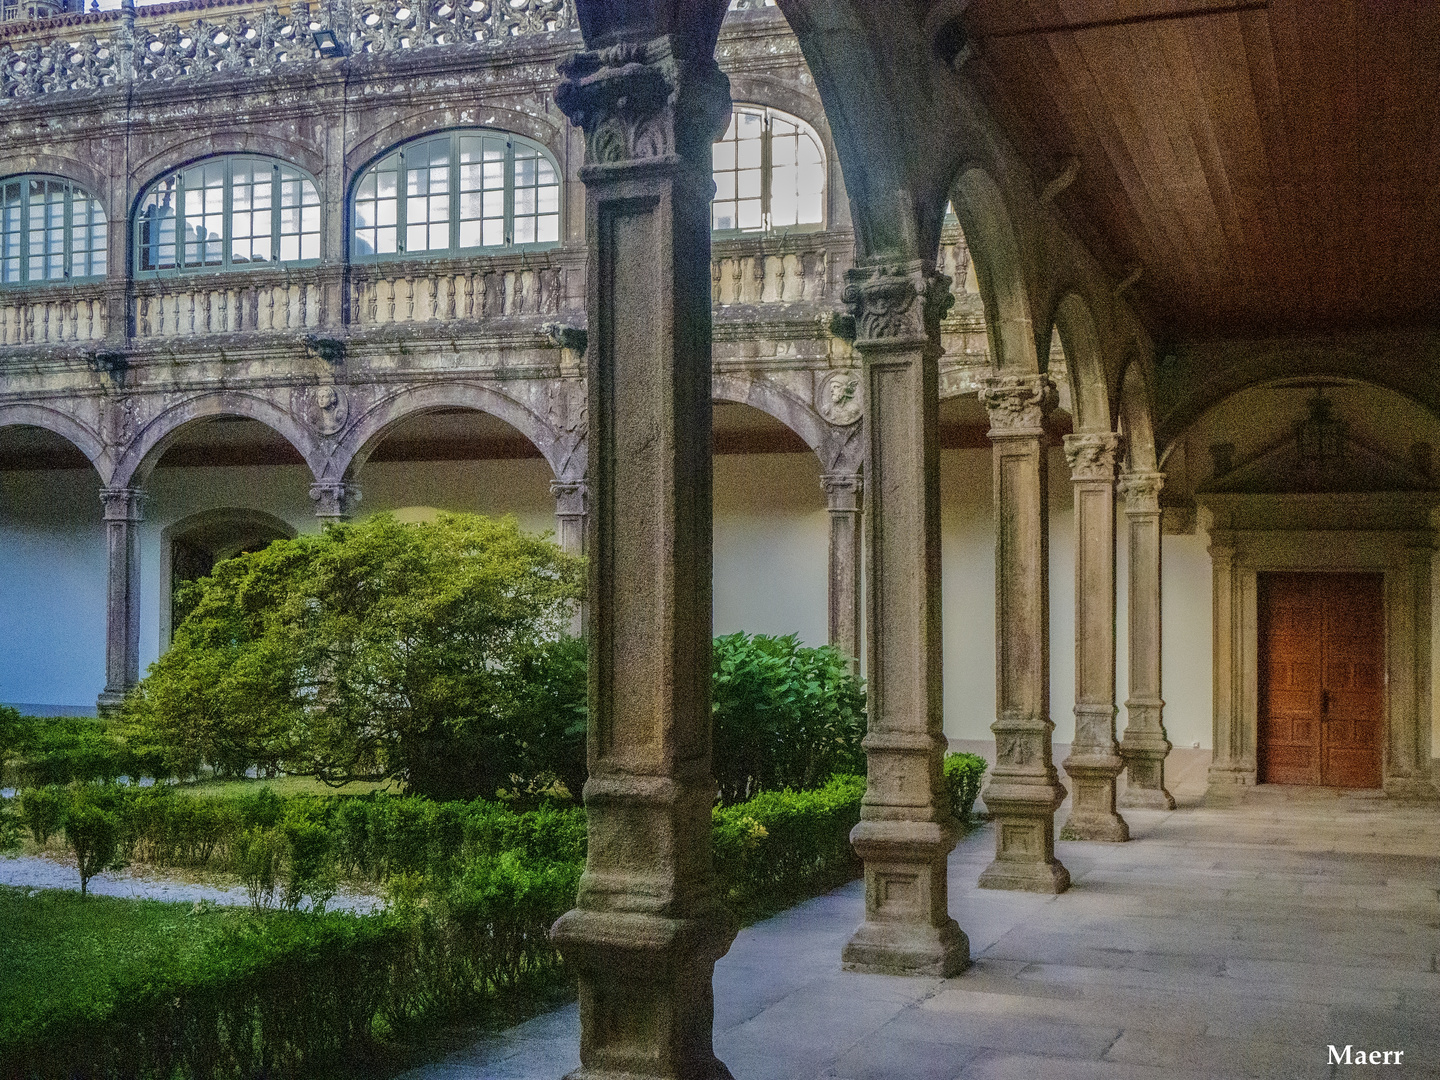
(144, 452)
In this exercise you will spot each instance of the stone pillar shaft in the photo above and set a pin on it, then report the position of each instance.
(647, 927)
(1233, 762)
(1408, 767)
(906, 826)
(570, 523)
(123, 513)
(843, 492)
(1024, 790)
(1094, 760)
(1144, 746)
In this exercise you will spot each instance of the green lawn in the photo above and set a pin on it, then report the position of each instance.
(60, 954)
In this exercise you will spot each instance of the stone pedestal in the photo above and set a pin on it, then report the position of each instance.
(842, 495)
(1144, 745)
(334, 500)
(1094, 760)
(1024, 790)
(906, 827)
(647, 927)
(123, 513)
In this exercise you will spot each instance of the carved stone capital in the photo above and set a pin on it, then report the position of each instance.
(1018, 404)
(883, 301)
(123, 503)
(570, 497)
(1142, 491)
(334, 499)
(1092, 455)
(843, 491)
(644, 102)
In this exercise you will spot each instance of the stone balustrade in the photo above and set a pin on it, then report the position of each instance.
(401, 292)
(226, 304)
(53, 316)
(779, 269)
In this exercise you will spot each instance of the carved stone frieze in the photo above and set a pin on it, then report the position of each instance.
(1092, 455)
(1018, 404)
(882, 299)
(642, 102)
(119, 421)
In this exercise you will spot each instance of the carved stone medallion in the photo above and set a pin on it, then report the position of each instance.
(326, 408)
(838, 398)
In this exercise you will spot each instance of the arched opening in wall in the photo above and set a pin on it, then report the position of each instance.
(459, 459)
(52, 573)
(191, 548)
(771, 528)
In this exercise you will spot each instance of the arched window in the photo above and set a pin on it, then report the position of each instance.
(457, 192)
(50, 230)
(769, 173)
(228, 213)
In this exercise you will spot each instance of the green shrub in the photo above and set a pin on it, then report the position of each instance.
(374, 649)
(310, 868)
(963, 774)
(784, 846)
(65, 749)
(93, 833)
(11, 831)
(256, 855)
(42, 811)
(785, 716)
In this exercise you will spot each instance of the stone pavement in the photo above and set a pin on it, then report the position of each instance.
(1219, 943)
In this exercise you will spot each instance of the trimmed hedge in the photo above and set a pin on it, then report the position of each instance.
(36, 751)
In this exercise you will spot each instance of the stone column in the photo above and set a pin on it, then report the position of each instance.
(906, 827)
(1094, 760)
(334, 500)
(647, 926)
(843, 492)
(1233, 762)
(570, 497)
(1024, 790)
(1144, 745)
(570, 515)
(1408, 767)
(122, 602)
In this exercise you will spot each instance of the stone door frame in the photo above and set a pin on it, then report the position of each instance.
(1386, 533)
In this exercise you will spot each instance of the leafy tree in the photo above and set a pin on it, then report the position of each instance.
(375, 649)
(786, 716)
(9, 734)
(93, 833)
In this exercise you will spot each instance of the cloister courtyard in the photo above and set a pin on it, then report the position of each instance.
(1219, 943)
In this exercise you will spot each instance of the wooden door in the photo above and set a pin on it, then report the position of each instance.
(1322, 649)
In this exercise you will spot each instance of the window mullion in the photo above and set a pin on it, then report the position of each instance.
(766, 167)
(402, 200)
(509, 227)
(24, 231)
(66, 197)
(275, 191)
(454, 201)
(227, 206)
(179, 223)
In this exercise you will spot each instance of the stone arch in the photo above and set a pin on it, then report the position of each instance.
(256, 143)
(995, 250)
(144, 452)
(1135, 418)
(1085, 364)
(566, 457)
(838, 449)
(374, 145)
(94, 180)
(83, 437)
(245, 525)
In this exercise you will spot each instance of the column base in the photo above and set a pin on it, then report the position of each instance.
(1411, 787)
(110, 702)
(1092, 798)
(886, 948)
(1228, 786)
(647, 1009)
(1145, 776)
(1025, 835)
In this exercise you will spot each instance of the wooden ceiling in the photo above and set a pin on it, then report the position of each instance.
(1271, 166)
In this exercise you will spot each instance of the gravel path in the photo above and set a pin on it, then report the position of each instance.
(34, 872)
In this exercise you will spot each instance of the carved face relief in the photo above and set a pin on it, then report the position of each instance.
(839, 398)
(328, 409)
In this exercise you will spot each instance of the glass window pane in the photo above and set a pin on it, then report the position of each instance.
(157, 227)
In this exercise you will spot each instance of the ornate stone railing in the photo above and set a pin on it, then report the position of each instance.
(53, 315)
(227, 304)
(779, 269)
(84, 52)
(401, 292)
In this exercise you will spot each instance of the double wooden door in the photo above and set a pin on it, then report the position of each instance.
(1322, 679)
